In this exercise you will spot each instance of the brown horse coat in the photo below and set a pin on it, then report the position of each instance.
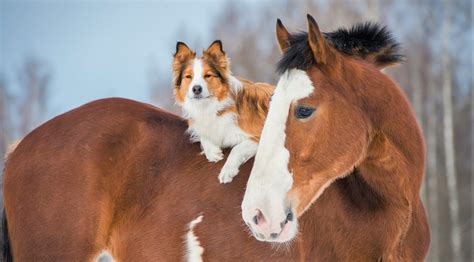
(121, 175)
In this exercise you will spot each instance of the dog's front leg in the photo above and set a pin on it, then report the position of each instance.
(213, 152)
(238, 155)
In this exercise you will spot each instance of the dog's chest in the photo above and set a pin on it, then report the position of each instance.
(221, 130)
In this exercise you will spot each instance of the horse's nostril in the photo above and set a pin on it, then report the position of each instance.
(255, 220)
(274, 235)
(289, 217)
(259, 218)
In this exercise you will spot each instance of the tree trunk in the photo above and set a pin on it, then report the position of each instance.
(448, 136)
(432, 166)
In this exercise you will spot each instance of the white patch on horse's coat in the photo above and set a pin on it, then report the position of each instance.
(270, 178)
(194, 250)
(105, 256)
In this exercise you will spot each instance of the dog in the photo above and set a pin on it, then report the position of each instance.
(222, 111)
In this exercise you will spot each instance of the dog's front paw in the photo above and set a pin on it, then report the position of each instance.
(227, 174)
(214, 154)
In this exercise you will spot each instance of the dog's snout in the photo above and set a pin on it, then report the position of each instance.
(197, 89)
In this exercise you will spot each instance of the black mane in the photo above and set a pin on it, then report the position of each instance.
(369, 41)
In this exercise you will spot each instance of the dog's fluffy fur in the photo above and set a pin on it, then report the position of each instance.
(222, 111)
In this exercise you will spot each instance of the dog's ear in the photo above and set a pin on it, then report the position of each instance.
(215, 49)
(181, 57)
(183, 52)
(215, 56)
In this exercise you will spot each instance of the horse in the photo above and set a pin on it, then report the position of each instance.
(340, 140)
(122, 178)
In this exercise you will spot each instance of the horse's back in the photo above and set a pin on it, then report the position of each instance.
(123, 176)
(65, 180)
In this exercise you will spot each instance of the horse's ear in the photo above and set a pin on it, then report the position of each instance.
(282, 36)
(215, 49)
(183, 51)
(316, 41)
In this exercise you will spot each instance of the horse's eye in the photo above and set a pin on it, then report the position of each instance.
(302, 112)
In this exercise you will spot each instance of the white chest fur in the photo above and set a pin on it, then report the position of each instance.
(221, 130)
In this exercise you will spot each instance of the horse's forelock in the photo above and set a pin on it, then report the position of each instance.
(369, 41)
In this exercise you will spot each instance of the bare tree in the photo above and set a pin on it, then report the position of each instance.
(161, 89)
(448, 133)
(5, 129)
(34, 79)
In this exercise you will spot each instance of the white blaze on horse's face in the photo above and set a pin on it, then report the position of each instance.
(265, 207)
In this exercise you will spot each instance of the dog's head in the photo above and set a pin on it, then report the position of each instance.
(199, 79)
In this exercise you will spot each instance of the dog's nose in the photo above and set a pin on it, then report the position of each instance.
(197, 89)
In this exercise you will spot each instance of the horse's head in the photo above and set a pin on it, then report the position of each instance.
(317, 128)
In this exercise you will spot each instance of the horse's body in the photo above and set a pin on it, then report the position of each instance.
(120, 175)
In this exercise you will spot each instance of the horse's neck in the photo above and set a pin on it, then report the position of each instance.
(387, 172)
(373, 196)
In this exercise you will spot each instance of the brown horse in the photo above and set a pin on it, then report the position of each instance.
(122, 176)
(338, 125)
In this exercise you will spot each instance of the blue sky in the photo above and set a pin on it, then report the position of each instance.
(103, 48)
(98, 49)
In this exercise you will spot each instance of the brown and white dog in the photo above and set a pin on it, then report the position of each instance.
(222, 111)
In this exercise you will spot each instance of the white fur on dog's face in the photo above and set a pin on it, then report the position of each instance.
(197, 72)
(198, 80)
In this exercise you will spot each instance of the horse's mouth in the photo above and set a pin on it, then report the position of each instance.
(287, 232)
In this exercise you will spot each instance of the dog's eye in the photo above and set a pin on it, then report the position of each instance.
(207, 75)
(188, 76)
(302, 112)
